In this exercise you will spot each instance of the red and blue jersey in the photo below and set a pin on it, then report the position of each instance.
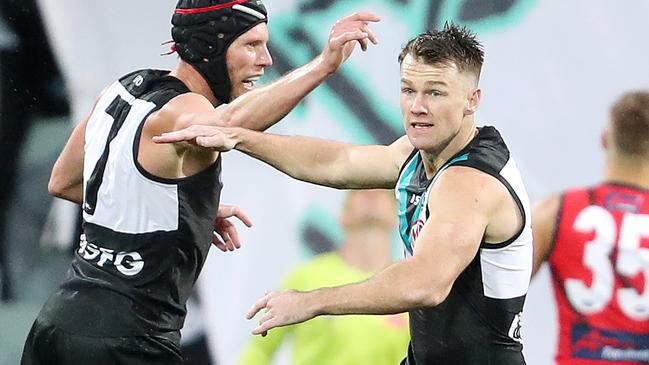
(600, 273)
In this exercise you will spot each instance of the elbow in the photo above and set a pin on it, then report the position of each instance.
(323, 180)
(429, 296)
(438, 297)
(432, 287)
(56, 187)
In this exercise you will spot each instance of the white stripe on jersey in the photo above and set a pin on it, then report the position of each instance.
(127, 201)
(506, 271)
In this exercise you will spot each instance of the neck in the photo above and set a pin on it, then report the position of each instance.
(627, 170)
(367, 249)
(434, 159)
(194, 81)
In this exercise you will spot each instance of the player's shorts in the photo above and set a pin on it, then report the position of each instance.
(49, 345)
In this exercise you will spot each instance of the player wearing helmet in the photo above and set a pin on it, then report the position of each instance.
(150, 210)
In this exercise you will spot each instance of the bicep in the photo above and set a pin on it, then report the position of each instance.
(544, 216)
(449, 244)
(460, 204)
(181, 112)
(375, 166)
(186, 110)
(445, 247)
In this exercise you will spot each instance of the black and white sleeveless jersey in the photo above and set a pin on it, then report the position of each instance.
(479, 322)
(145, 237)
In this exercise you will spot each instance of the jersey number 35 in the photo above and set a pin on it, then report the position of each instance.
(631, 260)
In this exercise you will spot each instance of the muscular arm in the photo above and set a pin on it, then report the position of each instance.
(257, 109)
(66, 180)
(261, 108)
(461, 204)
(544, 218)
(313, 160)
(324, 162)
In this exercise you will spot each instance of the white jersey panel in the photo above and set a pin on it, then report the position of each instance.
(506, 271)
(127, 201)
(512, 175)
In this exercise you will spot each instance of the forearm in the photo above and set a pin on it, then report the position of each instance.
(396, 289)
(66, 179)
(304, 158)
(262, 108)
(73, 193)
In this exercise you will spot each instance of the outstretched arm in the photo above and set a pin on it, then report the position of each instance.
(261, 108)
(544, 218)
(318, 161)
(461, 204)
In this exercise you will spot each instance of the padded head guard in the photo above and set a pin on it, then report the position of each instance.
(204, 29)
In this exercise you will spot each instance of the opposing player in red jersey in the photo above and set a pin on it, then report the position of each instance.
(596, 241)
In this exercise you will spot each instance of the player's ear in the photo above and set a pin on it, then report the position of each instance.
(604, 138)
(473, 101)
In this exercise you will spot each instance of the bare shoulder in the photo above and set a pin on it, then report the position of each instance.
(189, 102)
(174, 160)
(461, 204)
(400, 149)
(178, 112)
(464, 180)
(478, 200)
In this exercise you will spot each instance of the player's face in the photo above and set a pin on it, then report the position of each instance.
(435, 101)
(246, 58)
(367, 208)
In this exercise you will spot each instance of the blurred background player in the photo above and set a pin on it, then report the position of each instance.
(369, 221)
(596, 241)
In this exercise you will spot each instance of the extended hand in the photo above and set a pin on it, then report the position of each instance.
(226, 237)
(281, 309)
(345, 33)
(200, 135)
